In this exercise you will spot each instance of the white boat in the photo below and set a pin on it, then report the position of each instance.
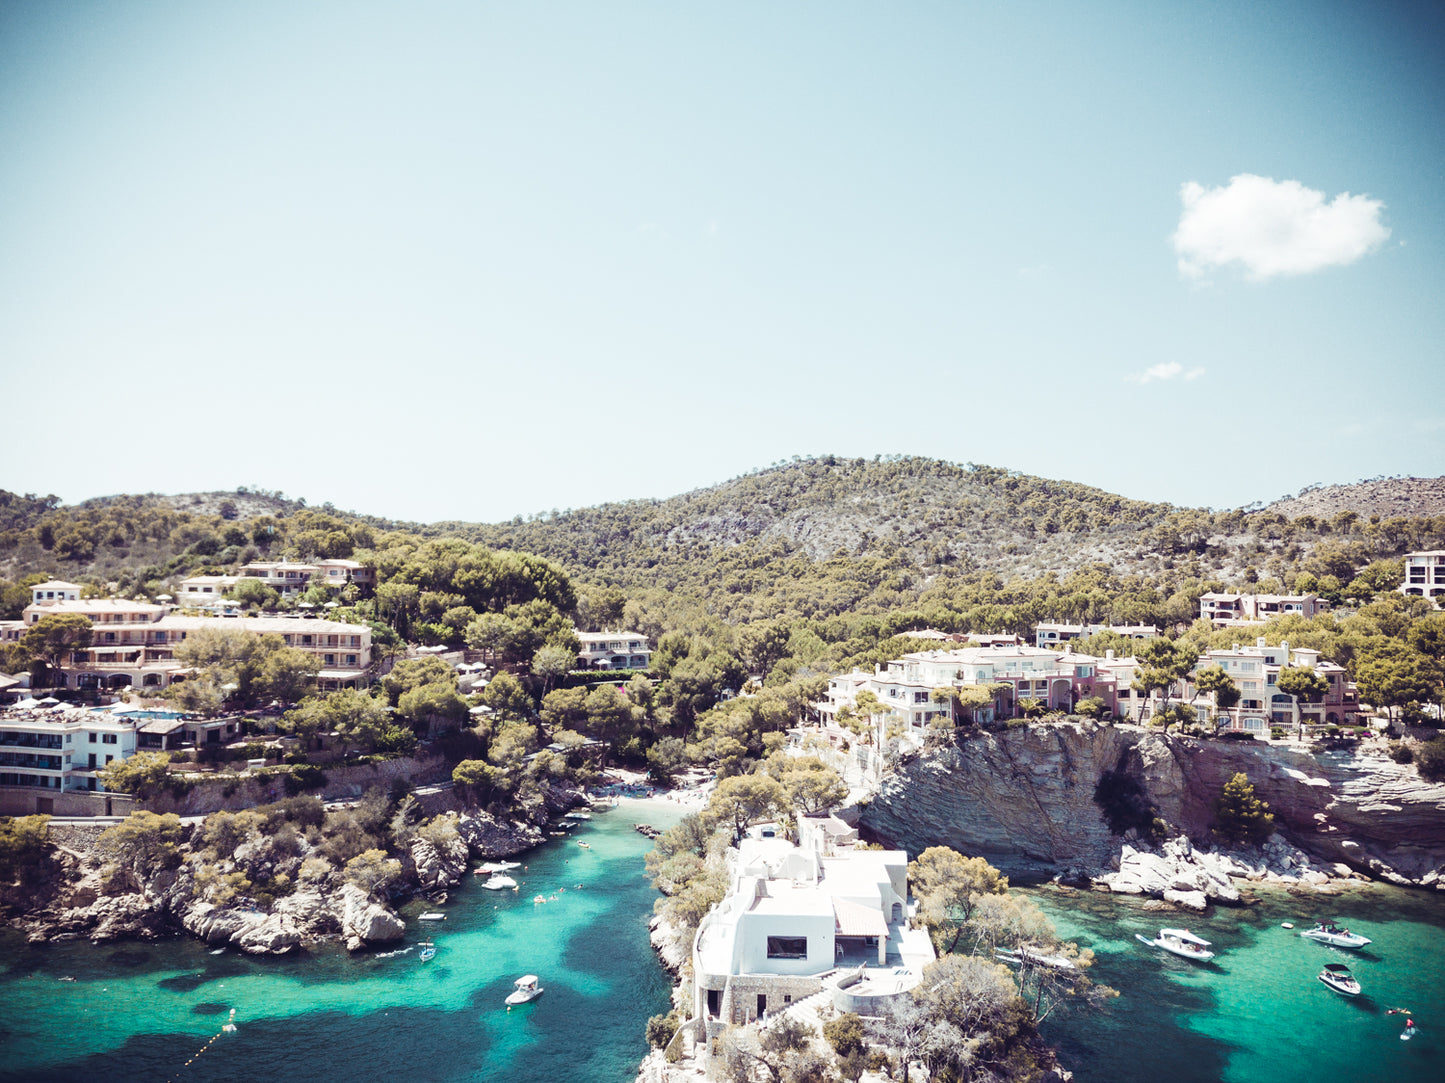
(491, 868)
(1338, 977)
(527, 987)
(428, 949)
(499, 881)
(1181, 942)
(1327, 932)
(1017, 956)
(433, 915)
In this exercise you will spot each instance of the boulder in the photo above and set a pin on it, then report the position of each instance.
(367, 921)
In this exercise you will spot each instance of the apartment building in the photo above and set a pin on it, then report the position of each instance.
(133, 643)
(906, 686)
(1052, 635)
(1424, 574)
(1230, 610)
(1255, 671)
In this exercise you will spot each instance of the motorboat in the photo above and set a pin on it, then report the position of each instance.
(1338, 977)
(498, 881)
(527, 987)
(1181, 942)
(428, 949)
(491, 868)
(585, 845)
(1327, 932)
(432, 915)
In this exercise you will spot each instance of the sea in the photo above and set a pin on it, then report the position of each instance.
(1257, 1013)
(158, 1011)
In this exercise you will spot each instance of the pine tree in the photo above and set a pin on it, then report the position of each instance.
(1240, 816)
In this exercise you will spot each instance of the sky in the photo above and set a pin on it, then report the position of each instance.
(476, 260)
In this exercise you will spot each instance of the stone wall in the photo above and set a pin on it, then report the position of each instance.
(31, 801)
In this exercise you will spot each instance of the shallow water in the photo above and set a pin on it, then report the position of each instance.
(1257, 1014)
(155, 1011)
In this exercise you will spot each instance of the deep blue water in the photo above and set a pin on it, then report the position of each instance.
(143, 1011)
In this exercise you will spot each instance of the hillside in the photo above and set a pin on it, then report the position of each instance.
(933, 513)
(814, 538)
(1382, 497)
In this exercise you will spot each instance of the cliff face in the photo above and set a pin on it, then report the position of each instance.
(1024, 799)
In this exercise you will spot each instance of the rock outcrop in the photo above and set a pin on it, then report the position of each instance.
(1024, 799)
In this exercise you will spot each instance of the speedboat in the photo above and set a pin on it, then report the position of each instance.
(498, 881)
(1327, 932)
(433, 915)
(1338, 977)
(527, 987)
(1181, 942)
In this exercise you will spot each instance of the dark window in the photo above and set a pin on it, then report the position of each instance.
(787, 947)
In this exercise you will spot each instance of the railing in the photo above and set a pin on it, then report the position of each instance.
(29, 741)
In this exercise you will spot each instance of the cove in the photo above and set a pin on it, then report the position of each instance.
(1256, 1014)
(143, 1010)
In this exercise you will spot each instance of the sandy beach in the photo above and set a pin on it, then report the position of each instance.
(632, 790)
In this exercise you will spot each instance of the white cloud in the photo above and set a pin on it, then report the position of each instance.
(1273, 227)
(1165, 370)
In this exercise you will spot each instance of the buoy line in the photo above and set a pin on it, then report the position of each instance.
(229, 1027)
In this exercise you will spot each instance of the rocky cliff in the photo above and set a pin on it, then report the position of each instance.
(79, 890)
(1025, 798)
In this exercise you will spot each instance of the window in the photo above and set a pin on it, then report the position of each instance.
(92, 738)
(108, 759)
(787, 947)
(108, 738)
(351, 659)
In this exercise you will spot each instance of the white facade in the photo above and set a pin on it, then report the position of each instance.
(1424, 574)
(613, 650)
(793, 916)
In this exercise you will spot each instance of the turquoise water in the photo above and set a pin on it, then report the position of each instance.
(1257, 1014)
(142, 1011)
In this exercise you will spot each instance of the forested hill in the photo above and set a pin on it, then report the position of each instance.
(813, 539)
(933, 513)
(938, 516)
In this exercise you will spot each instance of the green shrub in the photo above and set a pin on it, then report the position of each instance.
(1430, 760)
(1276, 733)
(303, 777)
(661, 1028)
(1400, 752)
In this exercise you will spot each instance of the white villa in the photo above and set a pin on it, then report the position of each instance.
(799, 920)
(613, 650)
(284, 577)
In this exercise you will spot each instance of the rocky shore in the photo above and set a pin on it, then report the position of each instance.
(1187, 878)
(85, 896)
(1026, 800)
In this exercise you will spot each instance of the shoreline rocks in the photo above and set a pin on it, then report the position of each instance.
(75, 903)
